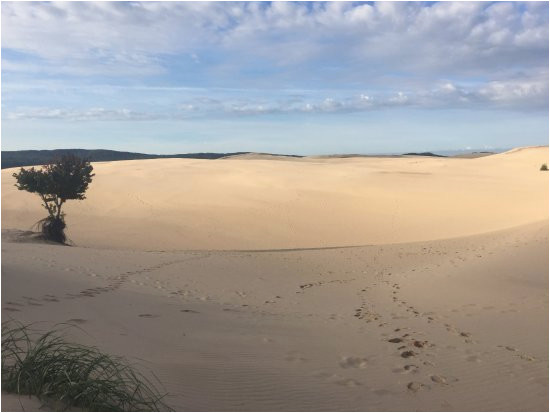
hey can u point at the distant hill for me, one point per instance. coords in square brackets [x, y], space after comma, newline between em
[11, 159]
[424, 154]
[261, 156]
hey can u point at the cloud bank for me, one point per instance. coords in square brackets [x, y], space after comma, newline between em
[178, 61]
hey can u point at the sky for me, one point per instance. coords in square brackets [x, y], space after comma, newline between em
[279, 77]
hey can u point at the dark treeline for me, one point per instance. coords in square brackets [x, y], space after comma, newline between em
[11, 159]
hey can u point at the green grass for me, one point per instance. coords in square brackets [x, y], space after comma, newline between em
[69, 376]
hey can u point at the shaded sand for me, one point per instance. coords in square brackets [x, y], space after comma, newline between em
[181, 204]
[15, 403]
[457, 322]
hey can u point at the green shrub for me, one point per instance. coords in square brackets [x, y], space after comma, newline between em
[70, 375]
[544, 167]
[65, 178]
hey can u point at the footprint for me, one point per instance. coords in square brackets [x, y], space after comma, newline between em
[409, 368]
[415, 386]
[349, 383]
[190, 311]
[10, 309]
[439, 379]
[148, 315]
[353, 362]
[473, 359]
[325, 375]
[408, 353]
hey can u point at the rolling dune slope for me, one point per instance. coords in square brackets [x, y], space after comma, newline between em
[179, 204]
[458, 324]
[344, 284]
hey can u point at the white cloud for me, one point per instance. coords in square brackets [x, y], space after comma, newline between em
[511, 94]
[78, 115]
[450, 36]
[516, 92]
[376, 55]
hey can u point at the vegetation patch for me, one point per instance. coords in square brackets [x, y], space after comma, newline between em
[58, 181]
[69, 376]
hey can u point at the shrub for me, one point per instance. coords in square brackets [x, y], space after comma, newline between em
[65, 178]
[68, 376]
[544, 167]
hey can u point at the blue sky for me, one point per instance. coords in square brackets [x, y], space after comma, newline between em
[285, 77]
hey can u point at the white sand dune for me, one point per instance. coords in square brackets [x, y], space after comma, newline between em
[447, 309]
[180, 204]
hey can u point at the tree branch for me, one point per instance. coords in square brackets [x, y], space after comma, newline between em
[46, 204]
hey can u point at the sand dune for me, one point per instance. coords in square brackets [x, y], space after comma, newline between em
[179, 204]
[457, 324]
[446, 310]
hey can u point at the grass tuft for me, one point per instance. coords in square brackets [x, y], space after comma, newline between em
[544, 167]
[72, 375]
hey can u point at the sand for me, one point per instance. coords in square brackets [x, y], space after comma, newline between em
[310, 284]
[182, 204]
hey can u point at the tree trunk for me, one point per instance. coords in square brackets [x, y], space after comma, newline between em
[53, 229]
